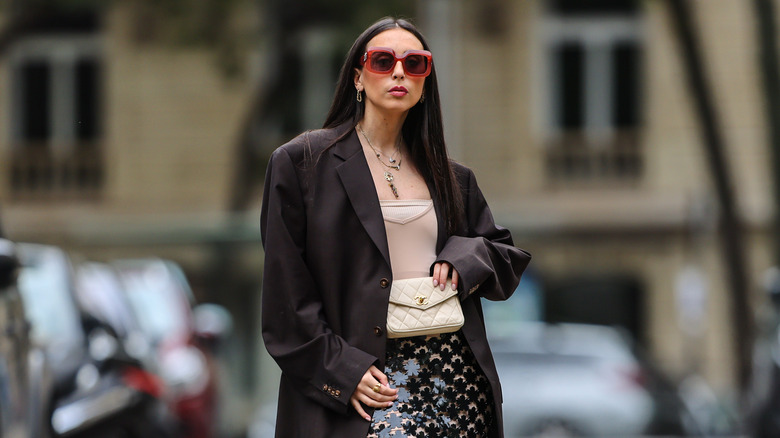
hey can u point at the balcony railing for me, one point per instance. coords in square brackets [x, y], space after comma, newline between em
[575, 160]
[38, 173]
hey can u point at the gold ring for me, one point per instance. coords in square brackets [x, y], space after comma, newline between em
[377, 387]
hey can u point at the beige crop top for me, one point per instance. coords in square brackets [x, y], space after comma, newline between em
[411, 236]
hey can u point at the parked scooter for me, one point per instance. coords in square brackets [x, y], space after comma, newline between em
[99, 389]
[115, 395]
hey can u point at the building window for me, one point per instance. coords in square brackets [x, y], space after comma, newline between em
[56, 125]
[592, 60]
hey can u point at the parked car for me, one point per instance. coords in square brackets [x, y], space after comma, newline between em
[46, 286]
[24, 376]
[88, 396]
[571, 380]
[567, 379]
[161, 296]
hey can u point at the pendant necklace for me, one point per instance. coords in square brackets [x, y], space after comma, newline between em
[393, 165]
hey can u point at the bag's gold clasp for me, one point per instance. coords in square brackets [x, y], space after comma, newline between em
[421, 300]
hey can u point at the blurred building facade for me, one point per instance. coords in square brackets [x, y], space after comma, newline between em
[118, 139]
[103, 121]
[576, 120]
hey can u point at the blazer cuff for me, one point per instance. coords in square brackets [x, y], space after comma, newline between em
[337, 387]
[472, 271]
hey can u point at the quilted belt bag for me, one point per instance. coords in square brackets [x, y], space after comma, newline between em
[418, 308]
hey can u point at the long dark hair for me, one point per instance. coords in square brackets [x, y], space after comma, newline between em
[422, 130]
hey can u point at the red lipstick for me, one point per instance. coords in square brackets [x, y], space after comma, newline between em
[398, 91]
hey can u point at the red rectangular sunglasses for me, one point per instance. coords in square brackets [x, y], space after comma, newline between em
[382, 60]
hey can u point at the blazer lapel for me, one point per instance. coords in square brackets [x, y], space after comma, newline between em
[356, 179]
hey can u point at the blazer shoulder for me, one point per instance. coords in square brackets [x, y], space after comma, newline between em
[308, 144]
[463, 173]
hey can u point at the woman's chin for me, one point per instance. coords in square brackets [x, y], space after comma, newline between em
[397, 106]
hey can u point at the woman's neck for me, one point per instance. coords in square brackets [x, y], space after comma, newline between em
[384, 133]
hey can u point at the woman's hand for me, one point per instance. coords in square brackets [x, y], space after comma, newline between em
[374, 391]
[441, 271]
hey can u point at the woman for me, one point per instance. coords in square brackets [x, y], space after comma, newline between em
[371, 198]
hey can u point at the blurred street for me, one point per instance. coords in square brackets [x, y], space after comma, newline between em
[632, 146]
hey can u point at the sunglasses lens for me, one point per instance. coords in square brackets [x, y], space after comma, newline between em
[416, 64]
[381, 61]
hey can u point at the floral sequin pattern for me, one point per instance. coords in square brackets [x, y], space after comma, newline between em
[442, 391]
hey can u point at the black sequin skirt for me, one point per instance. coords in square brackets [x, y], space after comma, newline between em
[442, 391]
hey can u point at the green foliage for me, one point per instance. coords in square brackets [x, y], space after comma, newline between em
[66, 5]
[191, 22]
[211, 23]
[342, 21]
[196, 23]
[345, 18]
[352, 16]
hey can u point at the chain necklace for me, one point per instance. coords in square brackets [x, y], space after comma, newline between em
[392, 160]
[388, 176]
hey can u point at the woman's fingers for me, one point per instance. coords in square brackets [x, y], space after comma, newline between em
[378, 375]
[375, 400]
[441, 271]
[440, 279]
[379, 389]
[359, 398]
[359, 408]
[381, 378]
[373, 391]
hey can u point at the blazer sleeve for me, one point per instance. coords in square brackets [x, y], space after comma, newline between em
[319, 363]
[486, 259]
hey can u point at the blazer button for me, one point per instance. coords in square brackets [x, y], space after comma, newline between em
[378, 331]
[383, 283]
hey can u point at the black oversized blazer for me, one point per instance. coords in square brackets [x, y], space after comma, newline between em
[327, 275]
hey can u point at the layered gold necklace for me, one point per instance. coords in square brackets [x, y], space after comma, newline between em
[393, 163]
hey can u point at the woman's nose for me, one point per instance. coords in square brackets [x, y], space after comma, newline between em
[398, 71]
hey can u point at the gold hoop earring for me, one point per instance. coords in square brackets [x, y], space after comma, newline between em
[359, 96]
[422, 98]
